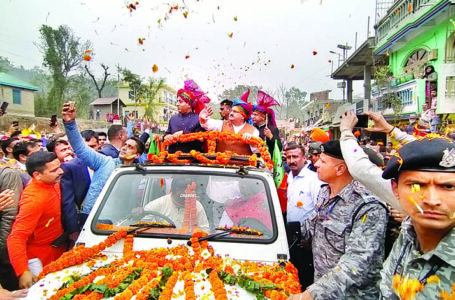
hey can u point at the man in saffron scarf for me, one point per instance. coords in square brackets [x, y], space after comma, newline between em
[190, 101]
[237, 123]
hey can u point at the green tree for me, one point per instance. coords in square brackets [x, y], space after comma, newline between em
[152, 107]
[5, 64]
[63, 53]
[383, 77]
[238, 91]
[135, 83]
[294, 100]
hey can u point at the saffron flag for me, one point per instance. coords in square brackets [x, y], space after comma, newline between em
[280, 177]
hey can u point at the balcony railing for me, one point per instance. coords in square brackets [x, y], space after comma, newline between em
[399, 14]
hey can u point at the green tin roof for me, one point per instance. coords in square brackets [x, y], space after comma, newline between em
[10, 80]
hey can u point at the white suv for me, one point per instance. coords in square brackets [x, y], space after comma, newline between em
[238, 207]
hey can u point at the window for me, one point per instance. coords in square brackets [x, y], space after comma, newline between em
[165, 96]
[17, 96]
[450, 87]
[214, 199]
[406, 96]
[131, 94]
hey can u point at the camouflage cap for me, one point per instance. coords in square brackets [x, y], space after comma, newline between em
[314, 148]
[427, 154]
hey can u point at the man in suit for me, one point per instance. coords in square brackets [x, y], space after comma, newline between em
[74, 186]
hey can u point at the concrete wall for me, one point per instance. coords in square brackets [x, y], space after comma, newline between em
[42, 124]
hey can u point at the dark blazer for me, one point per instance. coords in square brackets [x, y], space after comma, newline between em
[109, 150]
[270, 142]
[74, 185]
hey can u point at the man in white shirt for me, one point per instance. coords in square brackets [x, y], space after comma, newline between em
[303, 190]
[181, 206]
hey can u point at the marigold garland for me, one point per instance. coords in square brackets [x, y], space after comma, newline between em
[80, 254]
[217, 286]
[138, 273]
[211, 137]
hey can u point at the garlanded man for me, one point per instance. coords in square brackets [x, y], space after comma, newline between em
[241, 112]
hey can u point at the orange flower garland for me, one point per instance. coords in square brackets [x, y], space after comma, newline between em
[168, 289]
[217, 286]
[188, 284]
[128, 246]
[141, 269]
[144, 293]
[211, 137]
[80, 254]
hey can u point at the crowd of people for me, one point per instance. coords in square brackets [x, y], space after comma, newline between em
[343, 200]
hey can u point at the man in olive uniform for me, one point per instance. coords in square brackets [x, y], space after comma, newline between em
[346, 231]
[423, 180]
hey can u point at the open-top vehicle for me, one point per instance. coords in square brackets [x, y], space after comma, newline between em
[180, 230]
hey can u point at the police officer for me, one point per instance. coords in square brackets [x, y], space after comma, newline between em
[347, 233]
[423, 180]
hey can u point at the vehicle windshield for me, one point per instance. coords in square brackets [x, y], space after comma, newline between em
[188, 201]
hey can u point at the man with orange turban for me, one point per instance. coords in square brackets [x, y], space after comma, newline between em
[241, 112]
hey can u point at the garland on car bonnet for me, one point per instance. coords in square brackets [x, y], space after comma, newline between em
[153, 274]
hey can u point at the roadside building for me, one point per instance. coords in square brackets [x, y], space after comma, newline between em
[19, 94]
[419, 39]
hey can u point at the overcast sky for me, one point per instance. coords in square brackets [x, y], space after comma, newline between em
[268, 38]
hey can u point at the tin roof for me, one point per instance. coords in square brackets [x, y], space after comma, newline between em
[10, 80]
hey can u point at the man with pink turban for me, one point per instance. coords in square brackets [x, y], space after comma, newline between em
[190, 101]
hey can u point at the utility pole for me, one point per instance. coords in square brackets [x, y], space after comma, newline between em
[118, 90]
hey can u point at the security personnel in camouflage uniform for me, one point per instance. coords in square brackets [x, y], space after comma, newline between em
[423, 180]
[346, 231]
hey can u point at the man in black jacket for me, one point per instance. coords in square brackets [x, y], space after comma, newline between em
[267, 132]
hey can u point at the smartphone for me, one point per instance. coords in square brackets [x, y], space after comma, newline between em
[4, 106]
[15, 123]
[53, 120]
[362, 121]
